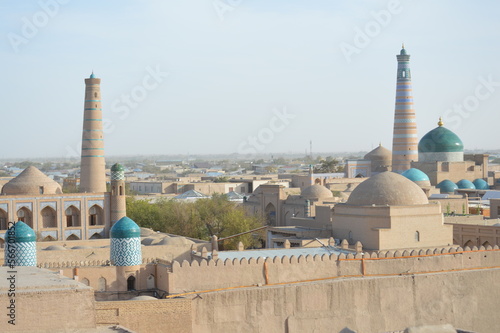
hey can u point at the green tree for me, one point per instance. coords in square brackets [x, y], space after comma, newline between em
[328, 166]
[199, 219]
[221, 179]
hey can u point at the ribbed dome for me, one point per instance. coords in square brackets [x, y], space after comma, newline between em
[381, 159]
[387, 188]
[481, 184]
[22, 233]
[125, 228]
[379, 153]
[447, 186]
[315, 192]
[466, 184]
[31, 182]
[440, 139]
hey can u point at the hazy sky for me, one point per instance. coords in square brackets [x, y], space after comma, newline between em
[225, 76]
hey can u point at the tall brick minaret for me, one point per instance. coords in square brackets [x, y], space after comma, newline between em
[404, 141]
[92, 168]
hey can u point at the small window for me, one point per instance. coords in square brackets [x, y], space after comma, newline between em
[95, 95]
[417, 236]
[40, 189]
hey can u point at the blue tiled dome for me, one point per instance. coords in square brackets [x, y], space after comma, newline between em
[466, 184]
[22, 233]
[415, 175]
[125, 228]
[447, 186]
[481, 184]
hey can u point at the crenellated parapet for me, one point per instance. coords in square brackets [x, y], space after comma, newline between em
[185, 277]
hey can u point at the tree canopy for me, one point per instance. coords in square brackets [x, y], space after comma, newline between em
[328, 166]
[198, 219]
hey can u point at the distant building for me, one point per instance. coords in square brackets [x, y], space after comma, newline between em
[376, 161]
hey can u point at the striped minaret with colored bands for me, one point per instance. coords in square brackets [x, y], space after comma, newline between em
[93, 166]
[404, 141]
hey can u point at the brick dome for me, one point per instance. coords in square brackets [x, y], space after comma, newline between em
[31, 182]
[387, 188]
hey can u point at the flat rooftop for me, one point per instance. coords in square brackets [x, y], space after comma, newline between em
[271, 253]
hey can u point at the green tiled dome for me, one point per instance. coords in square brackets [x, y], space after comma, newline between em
[440, 139]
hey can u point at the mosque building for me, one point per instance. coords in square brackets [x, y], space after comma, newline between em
[441, 157]
[389, 211]
[40, 203]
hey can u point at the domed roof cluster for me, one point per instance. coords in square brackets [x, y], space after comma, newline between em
[387, 188]
[31, 182]
[447, 186]
[316, 192]
[440, 139]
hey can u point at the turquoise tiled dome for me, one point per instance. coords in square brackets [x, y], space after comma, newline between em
[466, 184]
[415, 175]
[440, 139]
[22, 233]
[481, 184]
[22, 239]
[125, 249]
[125, 228]
[447, 186]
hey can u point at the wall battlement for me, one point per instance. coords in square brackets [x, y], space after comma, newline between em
[86, 263]
[218, 274]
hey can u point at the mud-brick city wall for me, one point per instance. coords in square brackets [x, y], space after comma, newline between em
[206, 275]
[465, 299]
[147, 316]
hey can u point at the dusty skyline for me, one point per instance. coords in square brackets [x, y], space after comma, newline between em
[220, 76]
